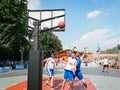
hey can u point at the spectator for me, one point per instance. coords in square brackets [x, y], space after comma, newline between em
[105, 64]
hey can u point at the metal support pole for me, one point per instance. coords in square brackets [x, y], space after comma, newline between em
[119, 55]
[98, 50]
[35, 63]
[21, 52]
[35, 58]
[118, 46]
[36, 35]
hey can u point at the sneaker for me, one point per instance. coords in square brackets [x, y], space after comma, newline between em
[85, 89]
[51, 86]
[85, 85]
[47, 84]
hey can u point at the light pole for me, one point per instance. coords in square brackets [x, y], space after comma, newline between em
[98, 50]
[118, 46]
[21, 51]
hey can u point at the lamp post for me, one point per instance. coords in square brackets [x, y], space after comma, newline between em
[98, 50]
[21, 51]
[118, 46]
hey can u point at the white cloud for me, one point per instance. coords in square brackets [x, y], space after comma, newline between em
[91, 39]
[93, 14]
[65, 47]
[34, 4]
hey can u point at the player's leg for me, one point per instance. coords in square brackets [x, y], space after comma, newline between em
[80, 77]
[63, 84]
[65, 79]
[71, 79]
[108, 68]
[103, 68]
[52, 78]
[48, 80]
[71, 85]
[84, 83]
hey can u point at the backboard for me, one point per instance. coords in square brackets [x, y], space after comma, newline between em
[48, 19]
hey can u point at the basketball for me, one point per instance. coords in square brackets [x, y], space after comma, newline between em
[61, 24]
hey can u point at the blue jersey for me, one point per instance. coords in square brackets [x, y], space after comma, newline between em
[78, 59]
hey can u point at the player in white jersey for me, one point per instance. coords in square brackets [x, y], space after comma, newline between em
[50, 65]
[69, 71]
[105, 64]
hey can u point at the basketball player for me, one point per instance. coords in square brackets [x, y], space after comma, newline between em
[78, 72]
[50, 65]
[69, 71]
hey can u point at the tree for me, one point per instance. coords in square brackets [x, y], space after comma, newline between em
[13, 28]
[13, 32]
[49, 43]
[110, 51]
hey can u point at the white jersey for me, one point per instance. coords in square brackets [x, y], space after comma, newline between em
[70, 64]
[51, 63]
[105, 61]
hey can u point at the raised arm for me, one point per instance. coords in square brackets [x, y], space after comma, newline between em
[73, 49]
[84, 52]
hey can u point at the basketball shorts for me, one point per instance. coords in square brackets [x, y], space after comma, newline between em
[79, 75]
[68, 75]
[51, 72]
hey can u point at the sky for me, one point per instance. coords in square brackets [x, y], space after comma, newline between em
[89, 23]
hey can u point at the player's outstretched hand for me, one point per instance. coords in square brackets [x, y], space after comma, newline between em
[85, 48]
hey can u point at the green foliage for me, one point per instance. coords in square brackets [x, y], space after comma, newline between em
[13, 28]
[110, 51]
[13, 32]
[49, 43]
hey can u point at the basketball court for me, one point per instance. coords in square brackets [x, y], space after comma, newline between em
[41, 21]
[57, 85]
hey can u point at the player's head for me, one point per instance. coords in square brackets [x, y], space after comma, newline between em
[77, 53]
[72, 54]
[53, 55]
[80, 54]
[106, 57]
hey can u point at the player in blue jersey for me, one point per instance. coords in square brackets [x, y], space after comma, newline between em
[78, 72]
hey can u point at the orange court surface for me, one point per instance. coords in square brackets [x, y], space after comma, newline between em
[57, 85]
